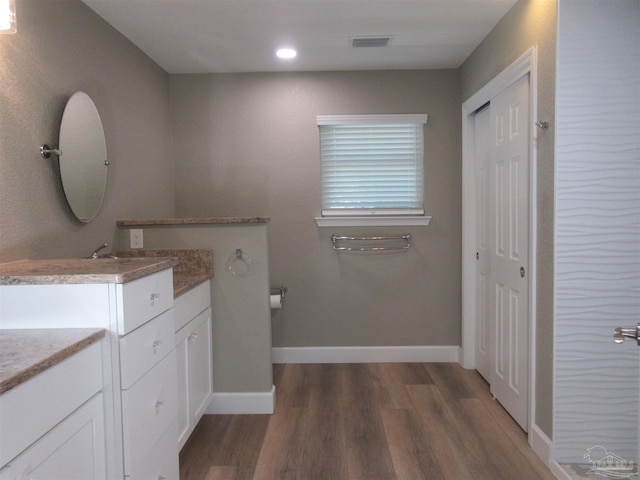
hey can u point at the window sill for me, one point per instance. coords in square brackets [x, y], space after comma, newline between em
[373, 221]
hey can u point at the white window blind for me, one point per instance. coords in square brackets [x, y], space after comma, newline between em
[372, 164]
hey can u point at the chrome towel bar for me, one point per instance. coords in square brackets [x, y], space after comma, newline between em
[371, 244]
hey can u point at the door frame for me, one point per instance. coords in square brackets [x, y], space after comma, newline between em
[525, 65]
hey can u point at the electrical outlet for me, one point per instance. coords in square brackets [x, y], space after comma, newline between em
[136, 238]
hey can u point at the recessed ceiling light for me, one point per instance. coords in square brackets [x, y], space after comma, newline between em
[286, 53]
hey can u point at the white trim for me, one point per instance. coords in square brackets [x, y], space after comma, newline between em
[420, 353]
[533, 231]
[502, 81]
[371, 119]
[226, 403]
[374, 221]
[543, 447]
[370, 212]
[559, 472]
[525, 65]
[541, 444]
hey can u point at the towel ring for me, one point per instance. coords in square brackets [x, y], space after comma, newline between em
[239, 263]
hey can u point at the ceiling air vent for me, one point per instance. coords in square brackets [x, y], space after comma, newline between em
[358, 42]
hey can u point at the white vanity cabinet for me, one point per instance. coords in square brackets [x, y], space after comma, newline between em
[148, 384]
[53, 424]
[140, 392]
[194, 358]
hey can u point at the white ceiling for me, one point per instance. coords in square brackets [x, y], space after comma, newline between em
[206, 36]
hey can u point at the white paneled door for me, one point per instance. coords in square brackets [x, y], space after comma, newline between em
[482, 134]
[509, 249]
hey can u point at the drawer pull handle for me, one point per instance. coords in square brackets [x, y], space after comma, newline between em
[159, 405]
[154, 297]
[157, 344]
[191, 338]
[162, 477]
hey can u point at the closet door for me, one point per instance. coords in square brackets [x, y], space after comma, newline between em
[482, 131]
[509, 240]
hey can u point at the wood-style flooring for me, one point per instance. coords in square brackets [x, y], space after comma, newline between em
[367, 422]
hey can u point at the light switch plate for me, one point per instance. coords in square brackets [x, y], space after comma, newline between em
[136, 238]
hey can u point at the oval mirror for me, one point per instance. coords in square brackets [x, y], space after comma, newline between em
[83, 162]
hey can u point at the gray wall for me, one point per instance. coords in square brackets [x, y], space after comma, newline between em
[62, 46]
[528, 23]
[247, 144]
[239, 304]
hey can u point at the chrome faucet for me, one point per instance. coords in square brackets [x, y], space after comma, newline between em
[94, 255]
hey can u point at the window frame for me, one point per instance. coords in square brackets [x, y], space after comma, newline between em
[373, 217]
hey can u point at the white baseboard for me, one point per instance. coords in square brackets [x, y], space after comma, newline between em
[230, 403]
[543, 447]
[437, 353]
[559, 472]
[541, 444]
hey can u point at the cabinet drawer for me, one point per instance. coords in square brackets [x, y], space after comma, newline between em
[141, 349]
[162, 460]
[191, 303]
[30, 410]
[143, 299]
[148, 408]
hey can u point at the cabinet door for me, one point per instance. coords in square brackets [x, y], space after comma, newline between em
[195, 373]
[73, 450]
[30, 410]
[200, 366]
[183, 387]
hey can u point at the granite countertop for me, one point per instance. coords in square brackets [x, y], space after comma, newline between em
[194, 265]
[80, 270]
[190, 268]
[192, 221]
[26, 352]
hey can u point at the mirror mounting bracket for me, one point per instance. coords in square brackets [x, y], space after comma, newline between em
[47, 151]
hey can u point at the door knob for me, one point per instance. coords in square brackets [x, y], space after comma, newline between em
[619, 334]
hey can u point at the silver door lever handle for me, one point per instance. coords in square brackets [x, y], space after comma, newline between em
[619, 334]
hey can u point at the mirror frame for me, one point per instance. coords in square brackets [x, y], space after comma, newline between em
[83, 157]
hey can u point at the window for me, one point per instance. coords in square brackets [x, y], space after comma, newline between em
[372, 165]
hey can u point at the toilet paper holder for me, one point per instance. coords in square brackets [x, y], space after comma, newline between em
[282, 291]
